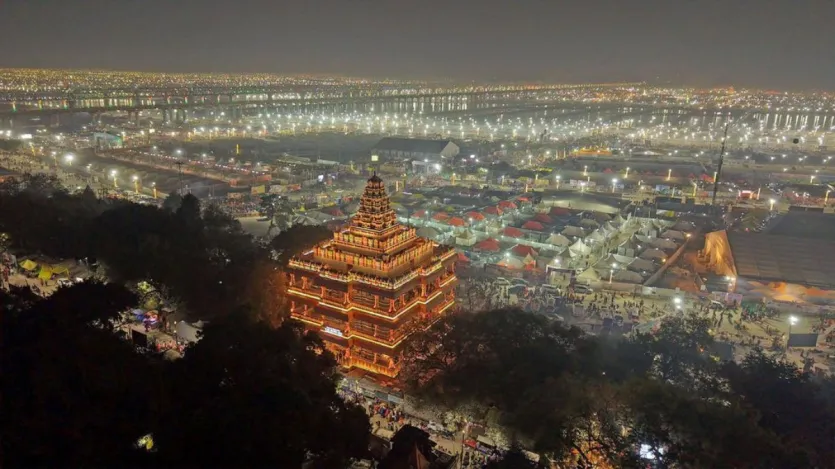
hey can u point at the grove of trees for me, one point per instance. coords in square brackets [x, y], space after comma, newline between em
[597, 402]
[257, 391]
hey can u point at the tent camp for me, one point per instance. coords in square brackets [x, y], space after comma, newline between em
[29, 265]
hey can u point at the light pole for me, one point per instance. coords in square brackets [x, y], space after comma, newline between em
[669, 174]
[626, 176]
[585, 170]
[771, 204]
[154, 186]
[792, 322]
[612, 272]
[695, 186]
[68, 158]
[614, 182]
[557, 178]
[826, 197]
[113, 175]
[135, 179]
[677, 302]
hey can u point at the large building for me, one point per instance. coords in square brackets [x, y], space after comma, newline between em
[798, 250]
[367, 289]
[431, 151]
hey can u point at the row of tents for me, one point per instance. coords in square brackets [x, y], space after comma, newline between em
[44, 271]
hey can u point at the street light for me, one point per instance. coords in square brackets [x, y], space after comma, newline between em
[154, 186]
[612, 272]
[113, 175]
[811, 178]
[826, 197]
[677, 302]
[792, 321]
[771, 204]
[626, 176]
[68, 158]
[669, 174]
[585, 170]
[695, 186]
[614, 182]
[135, 179]
[557, 178]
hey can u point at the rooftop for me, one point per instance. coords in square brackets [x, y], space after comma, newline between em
[789, 259]
[412, 145]
[808, 225]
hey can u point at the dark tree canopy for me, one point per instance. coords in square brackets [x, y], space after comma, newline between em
[248, 395]
[587, 400]
[296, 239]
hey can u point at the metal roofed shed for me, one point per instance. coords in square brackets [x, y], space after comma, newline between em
[415, 148]
[769, 257]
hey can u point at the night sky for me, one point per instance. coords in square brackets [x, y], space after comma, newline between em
[784, 44]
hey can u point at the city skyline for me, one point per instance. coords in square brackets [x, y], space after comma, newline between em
[740, 44]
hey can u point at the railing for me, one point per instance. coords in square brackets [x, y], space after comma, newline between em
[363, 278]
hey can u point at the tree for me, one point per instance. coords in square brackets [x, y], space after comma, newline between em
[247, 395]
[172, 202]
[81, 395]
[296, 239]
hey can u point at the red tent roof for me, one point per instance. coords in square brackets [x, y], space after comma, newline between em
[507, 204]
[522, 250]
[543, 218]
[513, 232]
[419, 213]
[559, 211]
[493, 210]
[440, 216]
[457, 222]
[475, 216]
[533, 225]
[488, 244]
[463, 257]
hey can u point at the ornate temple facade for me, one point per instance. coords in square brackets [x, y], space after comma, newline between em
[371, 286]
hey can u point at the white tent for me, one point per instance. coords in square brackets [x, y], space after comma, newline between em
[661, 243]
[673, 234]
[589, 223]
[653, 254]
[573, 231]
[595, 236]
[640, 265]
[589, 274]
[627, 276]
[557, 239]
[579, 248]
[427, 232]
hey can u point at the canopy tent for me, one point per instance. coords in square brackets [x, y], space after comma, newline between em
[427, 232]
[558, 240]
[455, 221]
[488, 244]
[59, 270]
[493, 210]
[589, 223]
[513, 232]
[28, 264]
[589, 274]
[506, 204]
[627, 276]
[579, 248]
[533, 226]
[661, 243]
[653, 254]
[673, 234]
[45, 273]
[595, 237]
[574, 231]
[640, 264]
[523, 250]
[543, 218]
[475, 216]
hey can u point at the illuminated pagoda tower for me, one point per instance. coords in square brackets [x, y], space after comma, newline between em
[376, 282]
